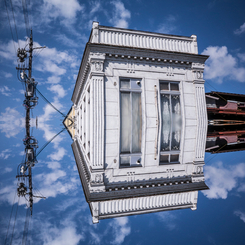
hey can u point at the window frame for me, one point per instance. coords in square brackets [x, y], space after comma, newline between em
[130, 90]
[168, 153]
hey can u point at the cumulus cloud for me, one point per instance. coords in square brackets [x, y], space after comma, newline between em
[53, 9]
[240, 214]
[167, 26]
[5, 154]
[242, 56]
[121, 229]
[58, 155]
[168, 219]
[7, 170]
[222, 65]
[240, 30]
[58, 89]
[222, 179]
[11, 122]
[7, 74]
[121, 15]
[5, 90]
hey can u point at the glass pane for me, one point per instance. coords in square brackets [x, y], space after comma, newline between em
[174, 86]
[126, 123]
[136, 122]
[164, 158]
[125, 83]
[164, 86]
[176, 122]
[174, 158]
[166, 123]
[125, 160]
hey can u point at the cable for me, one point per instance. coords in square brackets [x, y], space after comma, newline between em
[26, 227]
[49, 142]
[215, 153]
[25, 13]
[216, 90]
[10, 218]
[14, 222]
[14, 22]
[10, 25]
[50, 103]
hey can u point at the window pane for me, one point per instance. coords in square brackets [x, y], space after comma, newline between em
[176, 122]
[126, 123]
[136, 122]
[125, 160]
[174, 86]
[125, 83]
[164, 158]
[166, 122]
[174, 158]
[164, 86]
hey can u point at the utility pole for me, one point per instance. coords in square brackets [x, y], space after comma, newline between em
[28, 130]
[30, 142]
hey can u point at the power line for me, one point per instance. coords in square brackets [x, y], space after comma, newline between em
[26, 227]
[50, 103]
[10, 24]
[25, 13]
[14, 221]
[43, 147]
[10, 219]
[14, 22]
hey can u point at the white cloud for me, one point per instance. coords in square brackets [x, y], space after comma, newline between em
[7, 170]
[5, 90]
[222, 179]
[68, 41]
[168, 218]
[242, 56]
[121, 15]
[67, 235]
[240, 214]
[168, 26]
[5, 154]
[240, 30]
[57, 89]
[7, 74]
[53, 165]
[121, 229]
[222, 65]
[53, 79]
[58, 155]
[65, 9]
[11, 122]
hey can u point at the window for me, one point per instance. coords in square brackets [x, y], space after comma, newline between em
[171, 122]
[131, 122]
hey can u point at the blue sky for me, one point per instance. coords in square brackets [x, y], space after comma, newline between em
[64, 28]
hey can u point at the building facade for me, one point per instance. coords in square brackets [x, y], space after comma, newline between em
[139, 122]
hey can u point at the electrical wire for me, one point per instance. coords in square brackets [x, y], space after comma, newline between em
[26, 227]
[10, 25]
[14, 22]
[10, 218]
[50, 103]
[25, 13]
[43, 147]
[15, 221]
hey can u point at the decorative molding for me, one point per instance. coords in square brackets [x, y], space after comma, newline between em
[139, 39]
[201, 122]
[146, 203]
[97, 119]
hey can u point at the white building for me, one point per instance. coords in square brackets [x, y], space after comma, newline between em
[139, 122]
